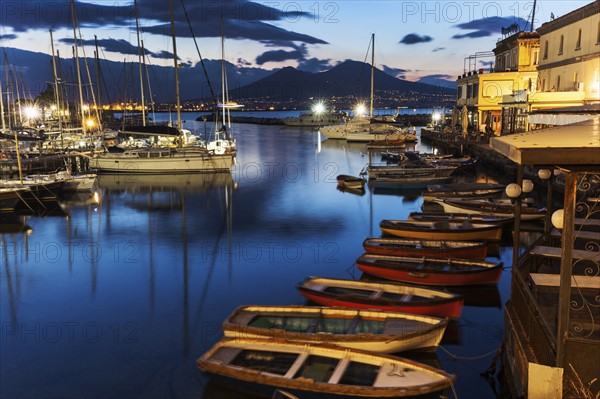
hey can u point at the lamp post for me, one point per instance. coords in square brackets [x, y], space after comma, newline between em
[545, 175]
[513, 191]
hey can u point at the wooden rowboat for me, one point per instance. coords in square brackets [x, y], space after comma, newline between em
[263, 366]
[490, 206]
[430, 271]
[347, 181]
[395, 297]
[442, 230]
[463, 190]
[429, 248]
[388, 332]
[487, 218]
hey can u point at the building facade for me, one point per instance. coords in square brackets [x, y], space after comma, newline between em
[516, 59]
[569, 68]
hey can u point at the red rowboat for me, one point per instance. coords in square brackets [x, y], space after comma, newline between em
[395, 297]
[430, 271]
[430, 248]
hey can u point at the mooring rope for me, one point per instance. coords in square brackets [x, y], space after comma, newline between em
[469, 357]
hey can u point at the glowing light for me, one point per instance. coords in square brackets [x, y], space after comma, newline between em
[513, 190]
[360, 110]
[90, 123]
[31, 113]
[53, 107]
[96, 197]
[436, 117]
[319, 108]
[544, 174]
[558, 218]
[527, 186]
[86, 107]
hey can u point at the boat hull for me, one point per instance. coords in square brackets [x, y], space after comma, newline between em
[443, 308]
[434, 249]
[487, 233]
[388, 332]
[477, 208]
[198, 163]
[410, 272]
[264, 366]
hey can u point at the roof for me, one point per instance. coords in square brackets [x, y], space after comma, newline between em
[568, 145]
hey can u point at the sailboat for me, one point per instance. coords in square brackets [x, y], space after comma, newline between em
[223, 141]
[361, 128]
[183, 159]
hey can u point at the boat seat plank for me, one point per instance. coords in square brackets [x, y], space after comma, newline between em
[376, 294]
[225, 355]
[339, 371]
[296, 365]
[553, 280]
[556, 252]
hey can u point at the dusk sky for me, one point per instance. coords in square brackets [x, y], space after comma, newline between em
[413, 38]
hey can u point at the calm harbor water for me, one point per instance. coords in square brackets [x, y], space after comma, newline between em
[118, 299]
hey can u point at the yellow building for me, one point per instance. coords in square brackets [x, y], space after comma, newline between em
[516, 59]
[570, 63]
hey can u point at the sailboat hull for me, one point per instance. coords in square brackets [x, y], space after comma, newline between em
[171, 163]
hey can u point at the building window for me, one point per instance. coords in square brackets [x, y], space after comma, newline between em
[575, 82]
[598, 34]
[578, 43]
[536, 54]
[546, 49]
[558, 83]
[543, 84]
[561, 45]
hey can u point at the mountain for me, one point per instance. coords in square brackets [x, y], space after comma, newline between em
[439, 80]
[348, 81]
[344, 84]
[34, 71]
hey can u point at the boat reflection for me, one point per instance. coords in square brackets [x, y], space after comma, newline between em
[12, 223]
[137, 183]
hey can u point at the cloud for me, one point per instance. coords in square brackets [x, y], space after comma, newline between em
[473, 35]
[484, 27]
[240, 19]
[315, 65]
[395, 72]
[164, 54]
[118, 46]
[435, 50]
[278, 56]
[8, 36]
[413, 38]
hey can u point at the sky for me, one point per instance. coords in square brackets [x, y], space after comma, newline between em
[413, 39]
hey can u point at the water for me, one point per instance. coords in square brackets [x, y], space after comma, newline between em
[118, 299]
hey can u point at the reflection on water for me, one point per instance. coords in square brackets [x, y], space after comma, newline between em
[119, 293]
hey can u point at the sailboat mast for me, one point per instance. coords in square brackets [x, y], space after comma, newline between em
[137, 31]
[178, 101]
[223, 77]
[372, 73]
[73, 16]
[532, 16]
[2, 106]
[56, 94]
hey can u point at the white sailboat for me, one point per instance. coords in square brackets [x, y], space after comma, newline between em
[360, 128]
[183, 159]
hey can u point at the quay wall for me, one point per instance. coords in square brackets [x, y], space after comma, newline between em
[477, 146]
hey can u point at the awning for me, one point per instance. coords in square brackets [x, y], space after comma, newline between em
[577, 144]
[558, 119]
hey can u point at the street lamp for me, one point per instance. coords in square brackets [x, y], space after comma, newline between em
[513, 191]
[558, 219]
